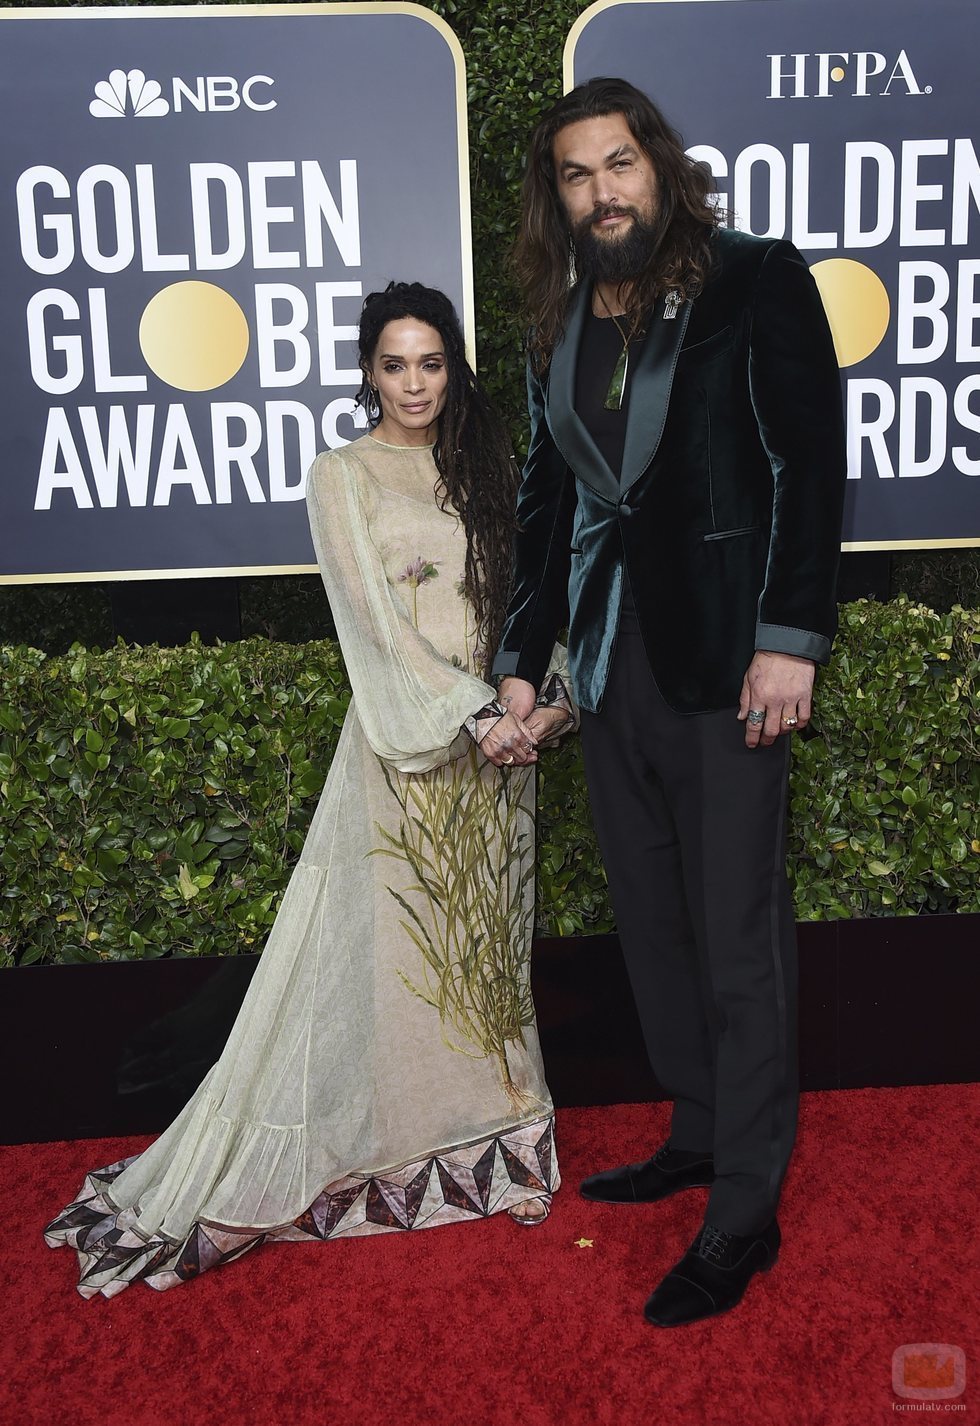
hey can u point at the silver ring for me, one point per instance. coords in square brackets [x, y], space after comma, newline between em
[791, 722]
[508, 761]
[756, 716]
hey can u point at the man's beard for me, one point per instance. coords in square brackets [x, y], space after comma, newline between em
[618, 259]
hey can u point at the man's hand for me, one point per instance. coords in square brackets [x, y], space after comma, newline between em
[543, 722]
[517, 696]
[509, 743]
[781, 687]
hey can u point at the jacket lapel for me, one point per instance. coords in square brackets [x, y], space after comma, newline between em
[649, 397]
[580, 452]
[650, 393]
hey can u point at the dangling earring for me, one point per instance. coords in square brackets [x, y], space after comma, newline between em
[372, 406]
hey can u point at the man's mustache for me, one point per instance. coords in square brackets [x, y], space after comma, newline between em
[612, 210]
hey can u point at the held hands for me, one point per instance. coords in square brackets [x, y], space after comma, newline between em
[514, 739]
[510, 742]
[780, 687]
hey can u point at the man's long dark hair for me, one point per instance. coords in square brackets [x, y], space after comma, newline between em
[686, 220]
[477, 473]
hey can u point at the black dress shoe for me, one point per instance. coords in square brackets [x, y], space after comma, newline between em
[667, 1172]
[712, 1275]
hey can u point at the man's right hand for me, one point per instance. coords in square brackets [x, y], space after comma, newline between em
[517, 696]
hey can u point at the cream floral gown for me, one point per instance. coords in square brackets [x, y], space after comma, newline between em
[384, 1072]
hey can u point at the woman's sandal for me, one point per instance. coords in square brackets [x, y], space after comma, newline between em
[531, 1220]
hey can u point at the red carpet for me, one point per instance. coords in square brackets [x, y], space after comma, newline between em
[494, 1325]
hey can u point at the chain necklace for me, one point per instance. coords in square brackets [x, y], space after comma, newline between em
[617, 382]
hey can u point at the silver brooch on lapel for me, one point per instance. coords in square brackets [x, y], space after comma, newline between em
[672, 304]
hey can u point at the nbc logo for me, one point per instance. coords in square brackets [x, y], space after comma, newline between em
[144, 95]
[132, 93]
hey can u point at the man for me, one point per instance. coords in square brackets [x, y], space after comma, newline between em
[682, 502]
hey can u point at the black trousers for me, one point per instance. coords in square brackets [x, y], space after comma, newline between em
[691, 825]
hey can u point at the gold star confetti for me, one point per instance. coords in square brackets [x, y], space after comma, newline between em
[584, 1242]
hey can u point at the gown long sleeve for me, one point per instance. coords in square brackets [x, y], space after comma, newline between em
[384, 1072]
[411, 701]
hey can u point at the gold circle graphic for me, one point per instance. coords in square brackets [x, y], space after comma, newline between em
[837, 74]
[194, 336]
[856, 304]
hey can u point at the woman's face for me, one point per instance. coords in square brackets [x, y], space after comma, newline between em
[409, 373]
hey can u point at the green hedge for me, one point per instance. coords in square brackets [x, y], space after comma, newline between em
[152, 801]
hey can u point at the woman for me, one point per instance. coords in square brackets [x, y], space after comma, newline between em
[384, 1071]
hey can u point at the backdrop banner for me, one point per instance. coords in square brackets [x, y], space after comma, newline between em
[851, 130]
[193, 202]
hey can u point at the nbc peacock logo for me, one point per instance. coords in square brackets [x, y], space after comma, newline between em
[125, 93]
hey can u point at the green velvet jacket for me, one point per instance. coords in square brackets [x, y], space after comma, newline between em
[727, 516]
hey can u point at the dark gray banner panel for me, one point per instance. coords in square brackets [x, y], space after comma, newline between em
[851, 129]
[193, 203]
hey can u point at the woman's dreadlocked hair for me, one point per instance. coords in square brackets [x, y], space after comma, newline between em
[477, 472]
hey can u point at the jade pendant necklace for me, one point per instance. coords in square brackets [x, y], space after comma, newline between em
[617, 382]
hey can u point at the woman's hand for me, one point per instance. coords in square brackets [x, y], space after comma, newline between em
[509, 742]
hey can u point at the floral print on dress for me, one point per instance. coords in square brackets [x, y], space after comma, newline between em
[415, 574]
[466, 836]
